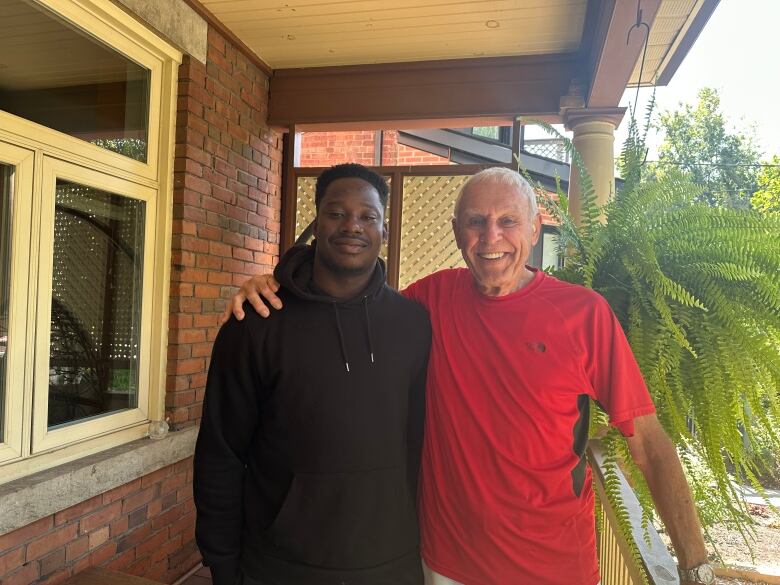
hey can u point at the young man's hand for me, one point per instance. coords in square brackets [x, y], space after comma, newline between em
[262, 284]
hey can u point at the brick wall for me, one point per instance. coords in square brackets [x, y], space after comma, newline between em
[226, 226]
[145, 528]
[411, 156]
[227, 206]
[322, 149]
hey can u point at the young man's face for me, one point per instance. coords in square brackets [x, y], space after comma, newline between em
[350, 227]
[496, 233]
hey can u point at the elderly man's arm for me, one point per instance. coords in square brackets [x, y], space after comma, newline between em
[655, 455]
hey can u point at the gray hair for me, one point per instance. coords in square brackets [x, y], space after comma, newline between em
[502, 176]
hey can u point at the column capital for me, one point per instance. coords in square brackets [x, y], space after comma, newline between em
[573, 117]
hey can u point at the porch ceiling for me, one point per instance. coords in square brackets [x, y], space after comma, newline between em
[676, 26]
[313, 33]
[424, 63]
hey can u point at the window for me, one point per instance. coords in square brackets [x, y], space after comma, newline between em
[57, 75]
[97, 276]
[501, 134]
[6, 175]
[545, 253]
[84, 206]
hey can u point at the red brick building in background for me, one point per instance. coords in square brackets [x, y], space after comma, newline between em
[322, 149]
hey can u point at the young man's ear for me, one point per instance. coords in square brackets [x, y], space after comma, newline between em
[385, 232]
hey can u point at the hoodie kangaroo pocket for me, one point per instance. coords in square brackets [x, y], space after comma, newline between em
[345, 520]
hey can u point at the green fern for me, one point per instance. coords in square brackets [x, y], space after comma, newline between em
[697, 291]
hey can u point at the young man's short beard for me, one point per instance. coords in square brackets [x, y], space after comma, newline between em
[340, 270]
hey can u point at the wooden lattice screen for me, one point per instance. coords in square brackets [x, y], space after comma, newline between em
[427, 243]
[304, 204]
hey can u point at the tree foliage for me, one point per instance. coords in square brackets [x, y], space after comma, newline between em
[696, 288]
[698, 142]
[767, 198]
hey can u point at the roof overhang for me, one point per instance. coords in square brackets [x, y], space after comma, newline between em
[406, 64]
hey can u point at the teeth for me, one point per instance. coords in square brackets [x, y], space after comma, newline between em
[492, 255]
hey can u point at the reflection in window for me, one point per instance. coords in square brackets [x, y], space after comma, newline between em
[6, 185]
[55, 75]
[96, 303]
[551, 259]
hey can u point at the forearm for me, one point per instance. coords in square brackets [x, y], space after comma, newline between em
[663, 472]
[674, 503]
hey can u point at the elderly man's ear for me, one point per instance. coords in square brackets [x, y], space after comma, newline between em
[454, 221]
[536, 228]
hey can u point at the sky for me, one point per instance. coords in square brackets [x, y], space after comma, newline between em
[738, 53]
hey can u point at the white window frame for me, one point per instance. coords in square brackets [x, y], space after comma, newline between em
[47, 155]
[12, 440]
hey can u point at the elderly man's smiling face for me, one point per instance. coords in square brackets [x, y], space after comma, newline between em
[496, 232]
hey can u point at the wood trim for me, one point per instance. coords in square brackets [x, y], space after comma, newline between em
[379, 140]
[422, 124]
[410, 170]
[701, 18]
[212, 20]
[613, 59]
[289, 189]
[427, 93]
[593, 32]
[517, 131]
[396, 215]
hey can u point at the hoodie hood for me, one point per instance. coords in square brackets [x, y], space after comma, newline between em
[295, 270]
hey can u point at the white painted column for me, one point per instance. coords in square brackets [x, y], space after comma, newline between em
[594, 139]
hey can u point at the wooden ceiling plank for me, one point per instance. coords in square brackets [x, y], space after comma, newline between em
[329, 16]
[675, 57]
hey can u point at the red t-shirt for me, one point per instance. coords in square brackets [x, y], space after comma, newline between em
[505, 495]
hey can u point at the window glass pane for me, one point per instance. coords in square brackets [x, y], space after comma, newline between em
[550, 256]
[6, 176]
[55, 75]
[96, 303]
[487, 131]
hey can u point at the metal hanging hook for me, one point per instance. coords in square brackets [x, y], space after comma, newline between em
[640, 22]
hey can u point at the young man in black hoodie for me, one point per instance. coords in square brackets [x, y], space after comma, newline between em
[307, 459]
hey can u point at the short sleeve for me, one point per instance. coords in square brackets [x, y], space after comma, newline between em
[612, 370]
[421, 290]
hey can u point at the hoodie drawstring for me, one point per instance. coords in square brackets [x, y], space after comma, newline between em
[341, 332]
[341, 336]
[368, 328]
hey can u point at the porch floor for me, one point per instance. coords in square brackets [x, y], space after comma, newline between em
[202, 577]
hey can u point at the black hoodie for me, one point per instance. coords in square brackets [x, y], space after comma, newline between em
[309, 448]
